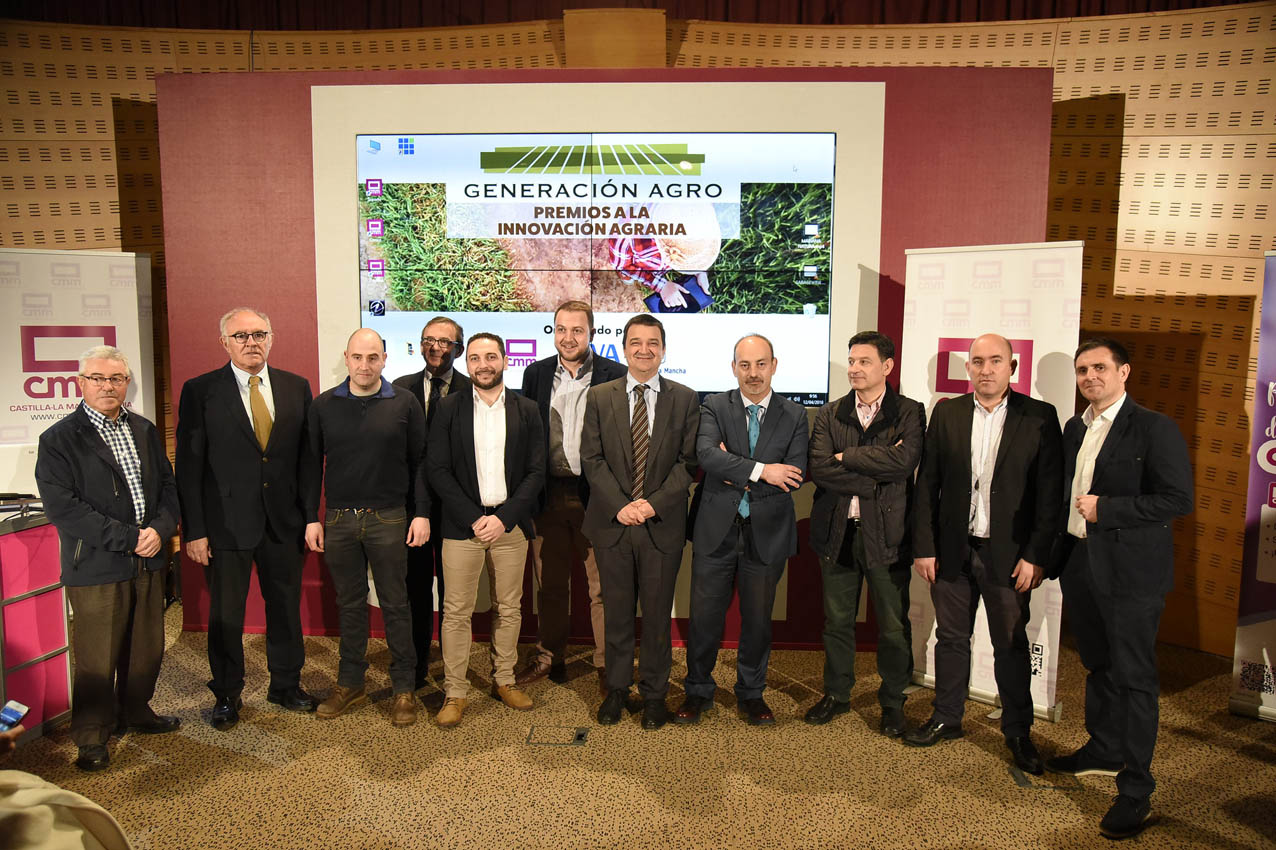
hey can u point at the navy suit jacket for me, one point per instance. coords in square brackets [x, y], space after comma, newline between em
[1143, 479]
[782, 438]
[228, 485]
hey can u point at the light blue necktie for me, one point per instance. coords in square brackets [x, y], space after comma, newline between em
[753, 444]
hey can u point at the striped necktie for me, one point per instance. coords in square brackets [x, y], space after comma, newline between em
[638, 427]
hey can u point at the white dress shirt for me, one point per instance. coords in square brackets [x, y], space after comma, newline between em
[653, 389]
[1096, 432]
[985, 439]
[241, 379]
[489, 449]
[567, 414]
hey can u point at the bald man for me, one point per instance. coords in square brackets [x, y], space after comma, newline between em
[372, 437]
[988, 501]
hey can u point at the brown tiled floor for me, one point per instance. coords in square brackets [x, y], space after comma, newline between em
[283, 780]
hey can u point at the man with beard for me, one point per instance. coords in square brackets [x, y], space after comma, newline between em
[638, 452]
[487, 463]
[440, 344]
[558, 385]
[373, 439]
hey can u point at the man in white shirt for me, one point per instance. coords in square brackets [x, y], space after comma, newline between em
[487, 464]
[1127, 476]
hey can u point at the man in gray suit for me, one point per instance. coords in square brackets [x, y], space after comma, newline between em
[637, 451]
[752, 445]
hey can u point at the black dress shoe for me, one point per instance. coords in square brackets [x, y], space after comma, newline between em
[1082, 763]
[293, 699]
[94, 757]
[893, 724]
[558, 673]
[757, 713]
[691, 709]
[932, 733]
[654, 714]
[609, 712]
[1126, 818]
[1025, 754]
[825, 710]
[160, 724]
[226, 713]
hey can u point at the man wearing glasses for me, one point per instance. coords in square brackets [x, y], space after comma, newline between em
[108, 489]
[244, 467]
[440, 344]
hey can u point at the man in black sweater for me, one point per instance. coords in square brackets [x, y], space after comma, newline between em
[376, 503]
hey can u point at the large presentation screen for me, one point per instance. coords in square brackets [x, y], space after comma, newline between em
[719, 234]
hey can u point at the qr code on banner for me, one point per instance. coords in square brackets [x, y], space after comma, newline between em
[1257, 677]
[1038, 659]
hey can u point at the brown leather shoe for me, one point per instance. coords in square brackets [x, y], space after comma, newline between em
[512, 696]
[403, 711]
[450, 713]
[535, 670]
[341, 700]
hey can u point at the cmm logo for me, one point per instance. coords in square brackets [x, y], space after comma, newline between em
[521, 352]
[49, 378]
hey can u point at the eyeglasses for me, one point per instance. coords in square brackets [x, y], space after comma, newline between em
[243, 337]
[103, 380]
[431, 342]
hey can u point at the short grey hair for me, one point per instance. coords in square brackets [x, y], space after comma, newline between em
[230, 314]
[105, 352]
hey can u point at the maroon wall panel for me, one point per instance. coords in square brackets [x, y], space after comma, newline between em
[966, 162]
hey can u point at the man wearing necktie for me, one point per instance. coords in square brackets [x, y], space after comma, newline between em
[864, 449]
[244, 466]
[637, 451]
[1127, 476]
[440, 344]
[752, 445]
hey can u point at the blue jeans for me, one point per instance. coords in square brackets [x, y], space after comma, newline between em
[354, 540]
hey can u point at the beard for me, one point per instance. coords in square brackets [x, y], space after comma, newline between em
[488, 381]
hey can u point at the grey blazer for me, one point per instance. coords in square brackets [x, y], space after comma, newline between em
[782, 438]
[607, 456]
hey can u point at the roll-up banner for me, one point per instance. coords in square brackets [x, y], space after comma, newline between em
[1253, 685]
[55, 305]
[1030, 294]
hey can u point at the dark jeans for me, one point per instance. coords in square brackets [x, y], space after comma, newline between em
[425, 565]
[956, 601]
[279, 577]
[635, 569]
[118, 643]
[1116, 638]
[844, 578]
[354, 540]
[714, 576]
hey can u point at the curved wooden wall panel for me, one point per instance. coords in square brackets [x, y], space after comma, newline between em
[1163, 161]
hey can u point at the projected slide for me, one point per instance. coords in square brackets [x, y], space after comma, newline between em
[719, 234]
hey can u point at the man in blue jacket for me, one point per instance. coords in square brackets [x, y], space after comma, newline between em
[108, 488]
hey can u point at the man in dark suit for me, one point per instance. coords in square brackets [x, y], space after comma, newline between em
[487, 463]
[1127, 475]
[441, 342]
[243, 464]
[558, 385]
[637, 450]
[864, 450]
[108, 489]
[988, 503]
[752, 445]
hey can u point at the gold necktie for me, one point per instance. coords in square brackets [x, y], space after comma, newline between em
[261, 413]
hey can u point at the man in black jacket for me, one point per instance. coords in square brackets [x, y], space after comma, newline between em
[487, 463]
[989, 497]
[373, 439]
[441, 341]
[558, 385]
[863, 452]
[244, 464]
[1127, 475]
[108, 488]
